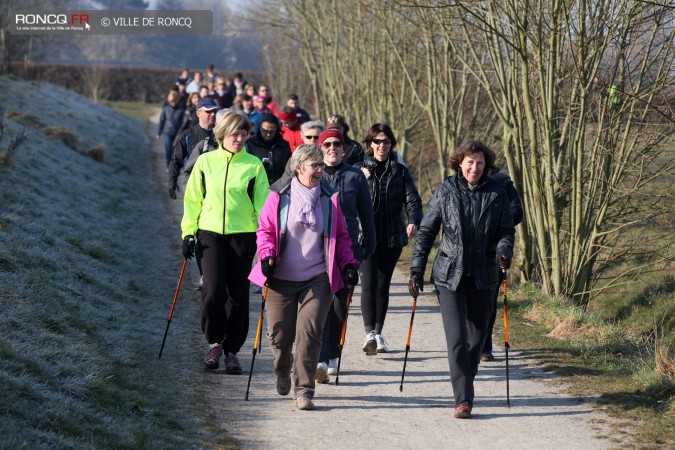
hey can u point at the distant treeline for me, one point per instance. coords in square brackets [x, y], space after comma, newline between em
[112, 83]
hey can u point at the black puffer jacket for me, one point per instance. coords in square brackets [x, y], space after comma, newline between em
[477, 227]
[353, 152]
[274, 154]
[394, 192]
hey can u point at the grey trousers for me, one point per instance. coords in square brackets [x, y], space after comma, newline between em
[297, 310]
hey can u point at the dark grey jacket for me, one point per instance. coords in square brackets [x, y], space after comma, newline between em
[170, 120]
[399, 192]
[490, 233]
[356, 207]
[511, 193]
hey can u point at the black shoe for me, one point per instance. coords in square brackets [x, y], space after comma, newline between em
[487, 357]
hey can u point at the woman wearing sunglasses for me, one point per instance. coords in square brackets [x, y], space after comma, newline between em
[355, 201]
[303, 250]
[392, 190]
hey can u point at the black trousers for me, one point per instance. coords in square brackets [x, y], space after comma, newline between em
[487, 348]
[226, 262]
[466, 314]
[376, 273]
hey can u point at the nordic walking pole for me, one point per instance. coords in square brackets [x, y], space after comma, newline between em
[173, 305]
[506, 339]
[350, 290]
[257, 338]
[407, 345]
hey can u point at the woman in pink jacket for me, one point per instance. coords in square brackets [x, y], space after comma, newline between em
[303, 251]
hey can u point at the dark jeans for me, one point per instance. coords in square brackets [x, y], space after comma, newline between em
[466, 313]
[226, 263]
[376, 273]
[487, 348]
[332, 329]
[167, 140]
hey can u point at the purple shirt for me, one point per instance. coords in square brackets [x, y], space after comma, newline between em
[303, 255]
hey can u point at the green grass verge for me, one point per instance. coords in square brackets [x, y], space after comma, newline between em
[601, 362]
[138, 110]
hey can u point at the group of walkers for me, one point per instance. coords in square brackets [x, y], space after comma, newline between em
[307, 217]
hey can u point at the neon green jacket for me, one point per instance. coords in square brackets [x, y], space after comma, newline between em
[225, 193]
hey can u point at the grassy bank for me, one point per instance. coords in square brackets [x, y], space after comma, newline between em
[628, 373]
[86, 278]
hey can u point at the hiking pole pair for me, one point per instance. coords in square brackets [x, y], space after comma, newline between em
[258, 342]
[407, 345]
[506, 339]
[173, 305]
[350, 290]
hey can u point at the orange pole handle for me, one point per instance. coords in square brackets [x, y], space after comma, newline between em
[175, 296]
[260, 319]
[344, 322]
[414, 306]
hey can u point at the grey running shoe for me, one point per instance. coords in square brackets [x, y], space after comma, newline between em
[283, 385]
[212, 360]
[382, 346]
[370, 344]
[322, 373]
[304, 404]
[232, 365]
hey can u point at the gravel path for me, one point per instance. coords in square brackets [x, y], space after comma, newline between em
[367, 410]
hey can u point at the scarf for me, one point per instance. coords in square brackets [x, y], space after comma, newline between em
[308, 203]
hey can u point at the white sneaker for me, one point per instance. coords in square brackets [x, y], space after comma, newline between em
[332, 366]
[322, 373]
[382, 346]
[370, 344]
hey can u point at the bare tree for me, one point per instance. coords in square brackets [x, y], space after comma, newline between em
[574, 84]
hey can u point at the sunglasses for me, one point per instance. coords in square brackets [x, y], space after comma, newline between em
[262, 130]
[336, 144]
[381, 141]
[312, 137]
[317, 165]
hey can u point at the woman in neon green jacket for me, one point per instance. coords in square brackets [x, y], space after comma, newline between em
[223, 199]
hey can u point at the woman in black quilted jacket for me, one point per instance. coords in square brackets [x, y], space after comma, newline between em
[477, 241]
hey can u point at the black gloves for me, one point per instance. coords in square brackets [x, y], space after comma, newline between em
[188, 247]
[172, 191]
[267, 267]
[416, 283]
[504, 262]
[351, 275]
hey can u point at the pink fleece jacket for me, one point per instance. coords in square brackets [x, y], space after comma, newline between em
[338, 245]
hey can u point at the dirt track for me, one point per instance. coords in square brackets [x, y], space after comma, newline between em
[367, 410]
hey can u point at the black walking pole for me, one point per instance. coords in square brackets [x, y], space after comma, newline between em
[173, 305]
[350, 290]
[407, 345]
[257, 338]
[506, 340]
